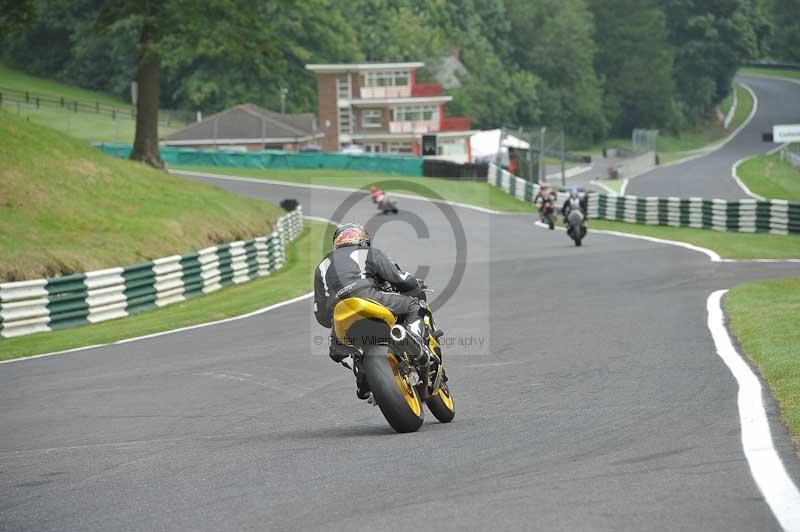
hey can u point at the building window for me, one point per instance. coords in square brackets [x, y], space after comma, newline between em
[400, 147]
[373, 147]
[384, 79]
[343, 86]
[372, 118]
[415, 113]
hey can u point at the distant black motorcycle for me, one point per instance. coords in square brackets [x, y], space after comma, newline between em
[576, 226]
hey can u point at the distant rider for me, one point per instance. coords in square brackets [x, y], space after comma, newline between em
[378, 195]
[354, 269]
[578, 201]
[545, 195]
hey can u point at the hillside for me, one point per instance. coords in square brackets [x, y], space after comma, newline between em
[86, 124]
[65, 207]
[17, 80]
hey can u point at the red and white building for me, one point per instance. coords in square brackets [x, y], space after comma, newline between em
[382, 108]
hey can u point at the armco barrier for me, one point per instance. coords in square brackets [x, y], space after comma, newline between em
[385, 164]
[41, 305]
[744, 216]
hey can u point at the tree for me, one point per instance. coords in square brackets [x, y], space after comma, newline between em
[263, 58]
[396, 30]
[554, 40]
[16, 15]
[177, 32]
[635, 61]
[785, 42]
[712, 39]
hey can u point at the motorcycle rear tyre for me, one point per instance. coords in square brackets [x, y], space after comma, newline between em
[399, 403]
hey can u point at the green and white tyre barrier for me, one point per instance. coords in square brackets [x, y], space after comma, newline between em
[745, 216]
[42, 305]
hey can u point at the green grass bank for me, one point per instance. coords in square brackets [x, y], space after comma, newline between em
[65, 207]
[764, 316]
[771, 72]
[768, 176]
[84, 125]
[727, 245]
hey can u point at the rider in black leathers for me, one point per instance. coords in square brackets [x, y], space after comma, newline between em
[576, 201]
[354, 269]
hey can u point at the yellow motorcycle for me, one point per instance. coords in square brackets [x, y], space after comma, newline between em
[402, 369]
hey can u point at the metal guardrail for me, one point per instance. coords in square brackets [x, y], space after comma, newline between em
[42, 305]
[744, 216]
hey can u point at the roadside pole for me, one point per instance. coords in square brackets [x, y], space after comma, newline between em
[563, 171]
[542, 169]
[530, 158]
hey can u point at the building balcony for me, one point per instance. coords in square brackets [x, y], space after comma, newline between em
[401, 91]
[419, 126]
[424, 90]
[456, 123]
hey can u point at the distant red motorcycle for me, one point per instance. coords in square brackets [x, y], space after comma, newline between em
[385, 204]
[548, 214]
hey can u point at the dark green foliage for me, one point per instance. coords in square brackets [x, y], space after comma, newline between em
[635, 61]
[785, 41]
[591, 66]
[712, 39]
[16, 15]
[554, 39]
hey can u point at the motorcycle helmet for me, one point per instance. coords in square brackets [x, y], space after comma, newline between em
[573, 193]
[351, 234]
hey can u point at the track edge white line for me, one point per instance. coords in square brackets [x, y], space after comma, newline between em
[766, 467]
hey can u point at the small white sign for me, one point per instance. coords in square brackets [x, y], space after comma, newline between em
[786, 133]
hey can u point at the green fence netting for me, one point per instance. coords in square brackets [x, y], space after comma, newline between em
[384, 164]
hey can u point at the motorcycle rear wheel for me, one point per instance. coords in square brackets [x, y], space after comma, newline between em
[442, 405]
[399, 402]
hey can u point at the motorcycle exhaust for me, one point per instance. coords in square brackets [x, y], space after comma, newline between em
[398, 333]
[411, 343]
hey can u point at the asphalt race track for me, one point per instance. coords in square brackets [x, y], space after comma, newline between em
[597, 402]
[710, 176]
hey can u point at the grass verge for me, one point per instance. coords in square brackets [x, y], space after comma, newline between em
[613, 184]
[293, 280]
[20, 81]
[480, 194]
[727, 245]
[66, 207]
[763, 317]
[771, 72]
[708, 133]
[672, 147]
[770, 177]
[88, 126]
